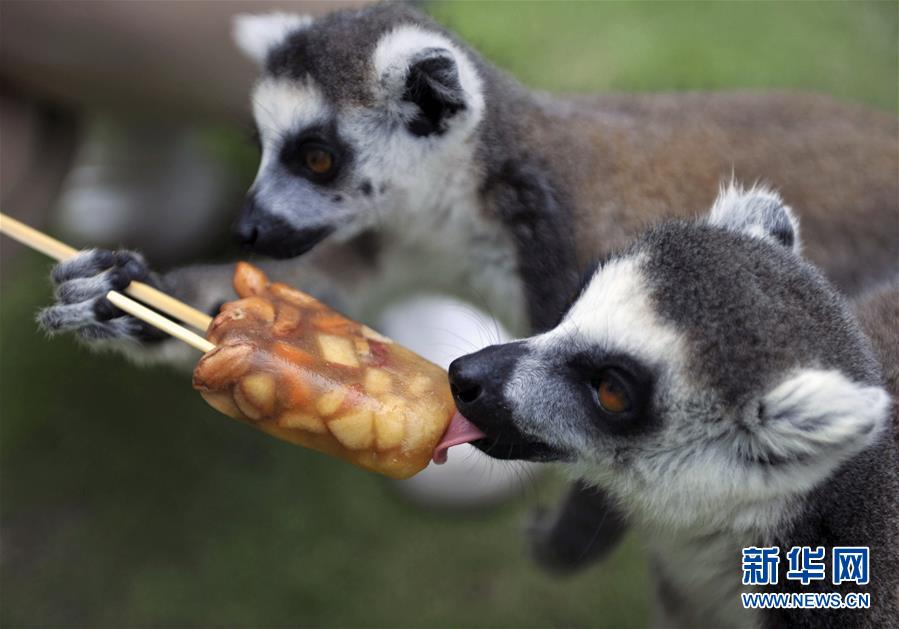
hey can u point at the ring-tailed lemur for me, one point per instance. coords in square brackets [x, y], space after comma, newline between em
[406, 162]
[716, 386]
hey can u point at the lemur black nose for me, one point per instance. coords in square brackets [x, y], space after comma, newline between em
[246, 229]
[477, 381]
[263, 231]
[463, 382]
[246, 234]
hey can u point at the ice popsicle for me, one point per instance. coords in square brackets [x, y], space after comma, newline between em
[291, 366]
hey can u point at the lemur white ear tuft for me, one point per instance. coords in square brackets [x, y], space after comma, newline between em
[757, 212]
[426, 80]
[256, 35]
[817, 417]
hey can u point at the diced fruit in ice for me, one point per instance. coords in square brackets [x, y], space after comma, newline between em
[303, 421]
[377, 381]
[420, 430]
[379, 354]
[392, 402]
[226, 322]
[354, 431]
[336, 349]
[297, 298]
[223, 365]
[390, 427]
[294, 389]
[332, 323]
[419, 385]
[231, 312]
[293, 354]
[286, 321]
[248, 280]
[259, 390]
[246, 408]
[331, 400]
[222, 402]
[257, 307]
[368, 333]
[362, 346]
[358, 398]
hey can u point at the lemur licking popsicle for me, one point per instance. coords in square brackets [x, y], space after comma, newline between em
[718, 388]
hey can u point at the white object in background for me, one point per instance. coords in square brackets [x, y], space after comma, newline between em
[151, 185]
[441, 329]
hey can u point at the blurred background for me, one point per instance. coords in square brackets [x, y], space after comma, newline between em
[124, 499]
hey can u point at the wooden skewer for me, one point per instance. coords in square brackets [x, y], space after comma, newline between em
[60, 251]
[147, 294]
[158, 321]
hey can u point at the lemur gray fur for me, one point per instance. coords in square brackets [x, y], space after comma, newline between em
[447, 175]
[715, 386]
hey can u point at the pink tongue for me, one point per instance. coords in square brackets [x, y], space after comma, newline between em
[459, 431]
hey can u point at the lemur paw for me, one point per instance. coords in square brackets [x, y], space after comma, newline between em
[561, 545]
[81, 305]
[545, 549]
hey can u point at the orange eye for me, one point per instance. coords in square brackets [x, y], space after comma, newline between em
[612, 395]
[318, 161]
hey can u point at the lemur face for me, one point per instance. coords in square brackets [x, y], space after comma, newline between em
[701, 374]
[361, 115]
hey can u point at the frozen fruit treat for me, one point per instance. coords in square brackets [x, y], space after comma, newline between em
[289, 365]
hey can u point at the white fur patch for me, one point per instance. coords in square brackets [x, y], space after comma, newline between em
[257, 34]
[391, 63]
[280, 106]
[754, 212]
[702, 569]
[616, 314]
[820, 414]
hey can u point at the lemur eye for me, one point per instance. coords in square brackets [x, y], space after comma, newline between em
[318, 160]
[311, 157]
[612, 393]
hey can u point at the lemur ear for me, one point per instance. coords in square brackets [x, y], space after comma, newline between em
[425, 79]
[816, 418]
[432, 84]
[256, 35]
[757, 212]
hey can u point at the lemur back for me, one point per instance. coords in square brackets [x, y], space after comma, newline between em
[878, 313]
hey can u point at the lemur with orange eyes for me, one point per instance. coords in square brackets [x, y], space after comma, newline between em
[712, 382]
[396, 159]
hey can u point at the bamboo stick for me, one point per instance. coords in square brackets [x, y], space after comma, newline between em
[158, 321]
[61, 251]
[147, 294]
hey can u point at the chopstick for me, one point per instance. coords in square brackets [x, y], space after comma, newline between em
[60, 251]
[147, 294]
[158, 321]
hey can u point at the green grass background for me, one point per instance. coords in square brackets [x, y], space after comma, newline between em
[125, 501]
